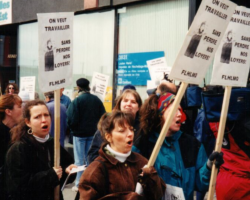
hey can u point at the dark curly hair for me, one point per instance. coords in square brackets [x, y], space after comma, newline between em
[21, 129]
[150, 119]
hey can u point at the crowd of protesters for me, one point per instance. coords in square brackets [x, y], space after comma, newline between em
[116, 147]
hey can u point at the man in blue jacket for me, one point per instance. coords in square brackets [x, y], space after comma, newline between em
[83, 115]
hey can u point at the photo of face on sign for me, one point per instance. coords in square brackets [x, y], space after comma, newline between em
[49, 56]
[195, 41]
[227, 48]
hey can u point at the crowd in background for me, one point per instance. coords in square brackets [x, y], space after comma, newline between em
[115, 147]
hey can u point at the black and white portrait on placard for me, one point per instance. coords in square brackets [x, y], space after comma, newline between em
[49, 57]
[195, 41]
[227, 48]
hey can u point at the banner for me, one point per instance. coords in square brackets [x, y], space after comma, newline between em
[99, 85]
[232, 59]
[202, 40]
[55, 50]
[27, 84]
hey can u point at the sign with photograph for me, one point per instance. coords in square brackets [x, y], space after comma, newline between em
[27, 84]
[55, 50]
[202, 40]
[99, 85]
[5, 12]
[157, 69]
[232, 59]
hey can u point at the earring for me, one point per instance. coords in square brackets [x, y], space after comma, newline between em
[29, 131]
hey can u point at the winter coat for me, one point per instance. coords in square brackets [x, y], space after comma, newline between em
[181, 162]
[29, 169]
[83, 114]
[121, 179]
[4, 143]
[233, 181]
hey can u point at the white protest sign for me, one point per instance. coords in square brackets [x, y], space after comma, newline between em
[99, 85]
[202, 40]
[55, 50]
[157, 69]
[232, 59]
[27, 84]
[173, 192]
[151, 85]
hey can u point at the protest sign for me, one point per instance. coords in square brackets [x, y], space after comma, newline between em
[99, 85]
[157, 69]
[231, 68]
[231, 63]
[55, 50]
[196, 54]
[55, 63]
[27, 84]
[202, 40]
[173, 192]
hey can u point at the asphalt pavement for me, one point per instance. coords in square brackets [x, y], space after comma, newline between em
[68, 194]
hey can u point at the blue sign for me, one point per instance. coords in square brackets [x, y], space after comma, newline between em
[133, 69]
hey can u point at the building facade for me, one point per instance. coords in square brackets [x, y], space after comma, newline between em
[103, 30]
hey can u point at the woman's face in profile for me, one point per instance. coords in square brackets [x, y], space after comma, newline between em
[202, 28]
[230, 36]
[176, 122]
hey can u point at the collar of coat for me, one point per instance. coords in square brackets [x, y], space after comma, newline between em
[168, 140]
[131, 159]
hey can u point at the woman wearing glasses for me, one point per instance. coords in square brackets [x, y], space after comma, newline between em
[11, 89]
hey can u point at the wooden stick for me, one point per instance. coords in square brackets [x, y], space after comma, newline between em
[57, 138]
[167, 123]
[223, 119]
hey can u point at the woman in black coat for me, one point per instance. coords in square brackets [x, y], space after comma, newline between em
[29, 167]
[10, 115]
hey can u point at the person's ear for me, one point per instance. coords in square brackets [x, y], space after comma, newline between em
[8, 112]
[108, 137]
[27, 122]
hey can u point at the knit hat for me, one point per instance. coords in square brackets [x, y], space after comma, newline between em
[129, 86]
[82, 83]
[164, 102]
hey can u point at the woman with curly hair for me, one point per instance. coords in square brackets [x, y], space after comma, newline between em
[29, 161]
[182, 160]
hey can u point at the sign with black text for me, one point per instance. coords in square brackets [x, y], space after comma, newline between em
[157, 69]
[27, 84]
[55, 50]
[99, 85]
[232, 59]
[202, 40]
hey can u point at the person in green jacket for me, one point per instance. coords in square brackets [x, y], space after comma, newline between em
[182, 161]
